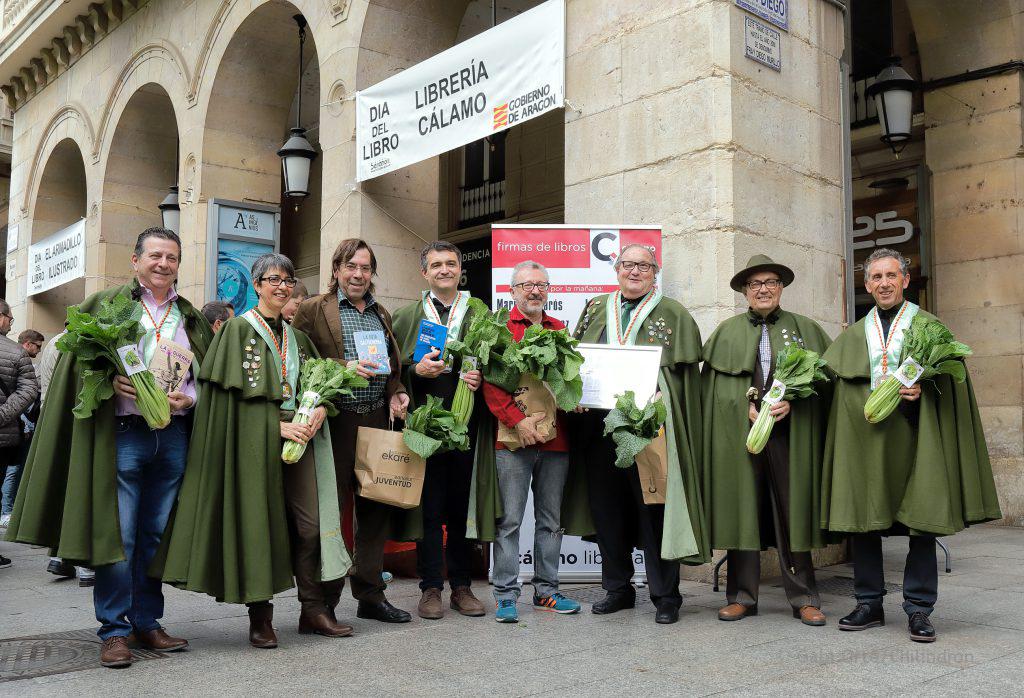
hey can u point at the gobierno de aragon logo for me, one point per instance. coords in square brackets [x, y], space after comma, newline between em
[523, 107]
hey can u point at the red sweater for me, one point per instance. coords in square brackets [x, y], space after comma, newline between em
[500, 402]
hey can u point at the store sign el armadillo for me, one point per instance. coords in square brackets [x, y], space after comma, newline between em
[57, 259]
[493, 81]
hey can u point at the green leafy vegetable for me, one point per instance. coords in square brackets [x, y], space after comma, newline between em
[94, 340]
[549, 356]
[632, 428]
[323, 382]
[929, 343]
[483, 344]
[799, 369]
[432, 429]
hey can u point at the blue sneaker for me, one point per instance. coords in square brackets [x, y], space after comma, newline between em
[505, 611]
[556, 603]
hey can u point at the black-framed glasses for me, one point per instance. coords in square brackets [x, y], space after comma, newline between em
[529, 286]
[770, 284]
[644, 267]
[277, 281]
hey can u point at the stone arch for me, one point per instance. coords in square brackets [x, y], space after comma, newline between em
[139, 169]
[70, 122]
[251, 106]
[60, 201]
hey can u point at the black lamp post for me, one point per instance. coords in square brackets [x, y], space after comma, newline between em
[297, 154]
[893, 91]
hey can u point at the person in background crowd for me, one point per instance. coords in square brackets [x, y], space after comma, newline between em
[217, 313]
[32, 342]
[279, 529]
[18, 391]
[132, 472]
[923, 471]
[638, 314]
[330, 320]
[772, 498]
[446, 484]
[300, 295]
[538, 465]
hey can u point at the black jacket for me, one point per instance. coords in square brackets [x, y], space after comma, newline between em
[18, 390]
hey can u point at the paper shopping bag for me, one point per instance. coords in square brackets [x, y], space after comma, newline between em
[532, 397]
[386, 470]
[652, 466]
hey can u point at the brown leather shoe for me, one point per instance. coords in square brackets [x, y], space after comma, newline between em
[736, 611]
[160, 641]
[465, 603]
[261, 627]
[430, 606]
[115, 653]
[809, 615]
[321, 624]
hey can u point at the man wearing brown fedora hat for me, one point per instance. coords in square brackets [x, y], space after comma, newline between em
[771, 498]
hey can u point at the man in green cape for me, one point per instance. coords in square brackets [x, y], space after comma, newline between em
[638, 314]
[924, 472]
[445, 498]
[99, 490]
[772, 498]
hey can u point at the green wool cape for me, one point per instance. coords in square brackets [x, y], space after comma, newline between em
[484, 498]
[730, 494]
[671, 326]
[935, 478]
[228, 534]
[67, 500]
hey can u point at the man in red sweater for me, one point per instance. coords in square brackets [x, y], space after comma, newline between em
[545, 463]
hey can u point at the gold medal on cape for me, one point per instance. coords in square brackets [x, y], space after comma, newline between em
[286, 390]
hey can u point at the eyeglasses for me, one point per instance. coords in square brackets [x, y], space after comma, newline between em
[366, 269]
[533, 286]
[644, 267]
[770, 284]
[277, 281]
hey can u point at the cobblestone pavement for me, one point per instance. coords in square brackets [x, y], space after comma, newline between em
[979, 618]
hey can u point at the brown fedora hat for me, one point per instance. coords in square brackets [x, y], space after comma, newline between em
[761, 262]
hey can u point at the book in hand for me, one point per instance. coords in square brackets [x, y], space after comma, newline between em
[170, 365]
[431, 336]
[371, 345]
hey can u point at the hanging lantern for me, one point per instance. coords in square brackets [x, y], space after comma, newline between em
[893, 91]
[297, 154]
[170, 211]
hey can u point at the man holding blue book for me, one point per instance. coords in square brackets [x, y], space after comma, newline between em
[423, 328]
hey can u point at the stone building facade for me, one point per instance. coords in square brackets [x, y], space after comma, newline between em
[667, 121]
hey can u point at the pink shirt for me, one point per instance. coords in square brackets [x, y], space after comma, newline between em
[123, 406]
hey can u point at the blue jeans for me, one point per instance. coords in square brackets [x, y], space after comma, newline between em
[150, 466]
[10, 488]
[516, 469]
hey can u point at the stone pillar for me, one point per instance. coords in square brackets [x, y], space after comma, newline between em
[974, 141]
[669, 123]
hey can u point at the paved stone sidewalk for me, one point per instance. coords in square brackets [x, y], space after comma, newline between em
[979, 617]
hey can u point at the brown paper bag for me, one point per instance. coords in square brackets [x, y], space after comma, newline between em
[532, 397]
[386, 470]
[652, 466]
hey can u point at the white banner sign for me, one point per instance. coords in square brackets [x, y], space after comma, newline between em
[57, 259]
[580, 262]
[495, 80]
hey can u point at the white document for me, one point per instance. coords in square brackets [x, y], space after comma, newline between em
[609, 371]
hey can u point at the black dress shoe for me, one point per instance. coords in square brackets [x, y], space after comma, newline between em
[61, 568]
[668, 613]
[921, 629]
[613, 603]
[862, 618]
[382, 611]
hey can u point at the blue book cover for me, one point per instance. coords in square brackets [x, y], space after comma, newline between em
[431, 336]
[371, 345]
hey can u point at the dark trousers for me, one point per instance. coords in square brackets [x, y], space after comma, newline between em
[445, 502]
[303, 506]
[622, 519]
[743, 574]
[920, 574]
[372, 519]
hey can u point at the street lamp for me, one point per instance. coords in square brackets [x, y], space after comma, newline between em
[893, 91]
[297, 154]
[170, 211]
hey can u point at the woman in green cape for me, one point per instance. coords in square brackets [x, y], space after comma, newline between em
[245, 521]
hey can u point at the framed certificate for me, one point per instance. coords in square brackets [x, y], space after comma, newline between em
[608, 371]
